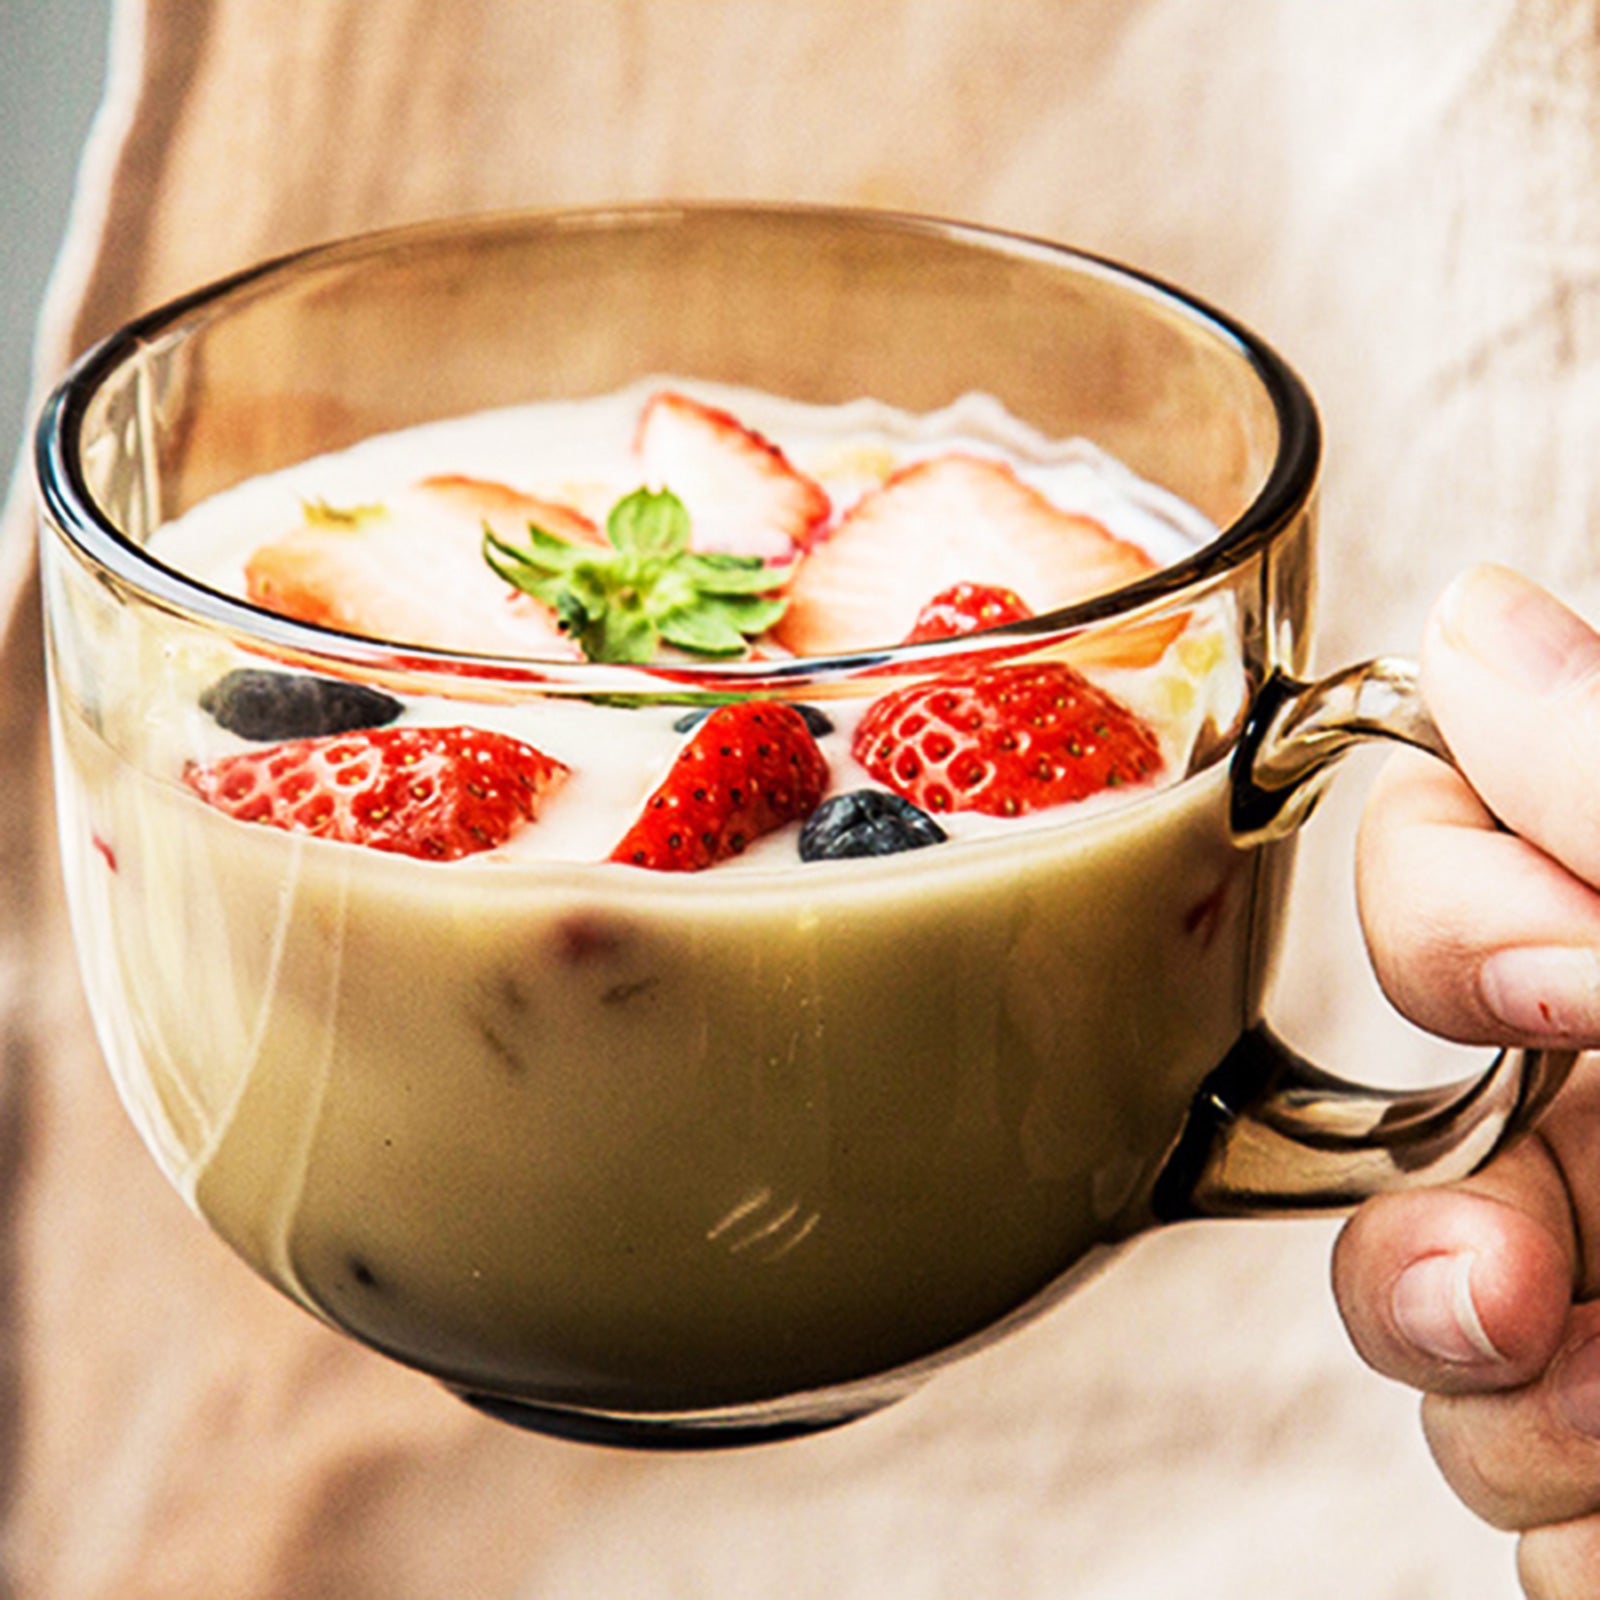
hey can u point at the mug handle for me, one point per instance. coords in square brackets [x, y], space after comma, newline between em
[1269, 1133]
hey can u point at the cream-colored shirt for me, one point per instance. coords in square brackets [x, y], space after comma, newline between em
[1404, 197]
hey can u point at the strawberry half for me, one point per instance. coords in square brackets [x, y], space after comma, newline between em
[1004, 740]
[950, 519]
[748, 769]
[966, 608]
[742, 494]
[509, 510]
[412, 571]
[434, 793]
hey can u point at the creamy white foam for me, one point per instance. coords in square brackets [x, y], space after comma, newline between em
[579, 453]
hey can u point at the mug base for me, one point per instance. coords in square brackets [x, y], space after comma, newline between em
[693, 1431]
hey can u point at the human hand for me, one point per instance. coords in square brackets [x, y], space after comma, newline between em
[1484, 1295]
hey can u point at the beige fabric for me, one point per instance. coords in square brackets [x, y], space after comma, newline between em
[1403, 196]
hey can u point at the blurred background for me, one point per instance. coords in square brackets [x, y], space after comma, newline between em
[52, 60]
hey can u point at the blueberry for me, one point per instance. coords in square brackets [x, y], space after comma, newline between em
[818, 722]
[267, 706]
[866, 822]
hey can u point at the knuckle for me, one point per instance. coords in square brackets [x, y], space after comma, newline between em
[1469, 1447]
[1560, 1561]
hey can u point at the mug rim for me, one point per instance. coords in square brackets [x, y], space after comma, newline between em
[74, 514]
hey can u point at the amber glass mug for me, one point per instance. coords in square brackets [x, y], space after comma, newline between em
[689, 1160]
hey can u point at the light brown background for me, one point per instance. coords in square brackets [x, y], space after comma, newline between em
[1404, 196]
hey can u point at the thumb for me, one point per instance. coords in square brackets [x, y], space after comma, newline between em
[1464, 1289]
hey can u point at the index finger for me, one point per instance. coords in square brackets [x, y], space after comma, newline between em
[1512, 677]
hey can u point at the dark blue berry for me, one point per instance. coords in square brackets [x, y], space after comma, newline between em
[866, 822]
[268, 706]
[819, 722]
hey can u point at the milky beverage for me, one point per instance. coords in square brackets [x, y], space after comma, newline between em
[641, 1141]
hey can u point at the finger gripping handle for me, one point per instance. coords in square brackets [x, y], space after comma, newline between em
[1269, 1132]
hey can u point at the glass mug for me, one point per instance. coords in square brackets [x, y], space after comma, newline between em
[672, 1159]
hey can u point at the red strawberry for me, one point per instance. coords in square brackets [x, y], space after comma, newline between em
[966, 608]
[508, 511]
[742, 494]
[412, 571]
[1004, 740]
[951, 519]
[435, 793]
[747, 769]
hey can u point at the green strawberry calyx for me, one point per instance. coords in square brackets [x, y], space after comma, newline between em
[622, 601]
[320, 514]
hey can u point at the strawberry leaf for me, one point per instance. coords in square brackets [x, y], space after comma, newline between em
[320, 514]
[621, 632]
[750, 614]
[702, 631]
[621, 601]
[649, 523]
[728, 574]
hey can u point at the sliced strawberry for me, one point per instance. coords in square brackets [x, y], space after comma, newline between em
[412, 572]
[747, 769]
[966, 608]
[509, 511]
[742, 494]
[950, 519]
[1004, 740]
[434, 793]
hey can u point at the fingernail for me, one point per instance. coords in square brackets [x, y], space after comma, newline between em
[1544, 992]
[1577, 1387]
[1516, 629]
[1434, 1310]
